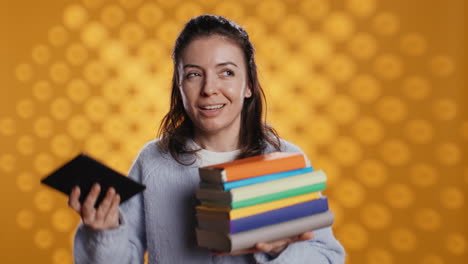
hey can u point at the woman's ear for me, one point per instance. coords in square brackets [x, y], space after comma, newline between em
[248, 92]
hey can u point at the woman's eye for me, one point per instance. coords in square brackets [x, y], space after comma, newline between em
[192, 74]
[228, 73]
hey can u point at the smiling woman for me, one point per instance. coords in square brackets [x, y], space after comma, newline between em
[213, 87]
[215, 116]
[214, 61]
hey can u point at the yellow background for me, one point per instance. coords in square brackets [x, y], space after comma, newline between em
[373, 91]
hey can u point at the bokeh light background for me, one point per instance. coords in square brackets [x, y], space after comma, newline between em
[373, 91]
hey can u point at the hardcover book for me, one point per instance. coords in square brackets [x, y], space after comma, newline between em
[222, 204]
[232, 242]
[226, 186]
[251, 167]
[226, 225]
[256, 209]
[262, 189]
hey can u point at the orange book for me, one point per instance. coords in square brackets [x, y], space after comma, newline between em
[253, 167]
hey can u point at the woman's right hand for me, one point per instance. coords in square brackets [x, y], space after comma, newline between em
[106, 216]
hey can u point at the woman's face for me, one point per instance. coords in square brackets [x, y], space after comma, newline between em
[213, 85]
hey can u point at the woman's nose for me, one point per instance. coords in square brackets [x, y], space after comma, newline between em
[210, 85]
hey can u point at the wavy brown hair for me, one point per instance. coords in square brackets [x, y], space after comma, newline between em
[176, 127]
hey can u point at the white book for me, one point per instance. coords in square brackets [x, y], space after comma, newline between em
[232, 242]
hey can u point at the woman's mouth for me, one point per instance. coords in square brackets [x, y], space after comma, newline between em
[211, 111]
[212, 107]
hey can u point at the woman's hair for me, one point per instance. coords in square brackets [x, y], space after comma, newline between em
[176, 127]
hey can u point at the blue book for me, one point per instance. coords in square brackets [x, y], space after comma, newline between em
[225, 225]
[226, 186]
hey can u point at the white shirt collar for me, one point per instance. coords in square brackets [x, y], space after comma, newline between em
[208, 157]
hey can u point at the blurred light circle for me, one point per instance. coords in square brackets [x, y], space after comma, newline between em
[395, 152]
[388, 66]
[419, 131]
[448, 153]
[346, 151]
[361, 8]
[41, 54]
[58, 36]
[399, 195]
[363, 45]
[427, 219]
[76, 54]
[24, 72]
[371, 172]
[403, 239]
[442, 65]
[112, 16]
[26, 182]
[43, 238]
[42, 90]
[349, 193]
[353, 236]
[26, 145]
[386, 24]
[59, 72]
[150, 14]
[423, 175]
[413, 44]
[315, 10]
[60, 108]
[78, 90]
[339, 26]
[75, 16]
[379, 256]
[375, 215]
[25, 219]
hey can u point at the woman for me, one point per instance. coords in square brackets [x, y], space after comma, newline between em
[215, 116]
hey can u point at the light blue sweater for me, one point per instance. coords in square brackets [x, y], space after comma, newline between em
[161, 220]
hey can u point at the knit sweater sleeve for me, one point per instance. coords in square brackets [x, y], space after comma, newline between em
[323, 248]
[125, 244]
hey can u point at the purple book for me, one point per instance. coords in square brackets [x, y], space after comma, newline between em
[217, 224]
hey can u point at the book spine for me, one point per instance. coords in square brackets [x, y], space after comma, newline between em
[263, 167]
[260, 208]
[211, 186]
[266, 178]
[216, 195]
[265, 188]
[247, 239]
[279, 215]
[278, 196]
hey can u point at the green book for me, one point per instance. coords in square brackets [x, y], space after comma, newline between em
[265, 198]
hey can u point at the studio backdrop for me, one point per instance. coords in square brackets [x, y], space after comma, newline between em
[374, 92]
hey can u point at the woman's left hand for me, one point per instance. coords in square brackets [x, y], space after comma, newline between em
[273, 248]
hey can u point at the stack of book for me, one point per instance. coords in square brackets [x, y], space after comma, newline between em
[259, 199]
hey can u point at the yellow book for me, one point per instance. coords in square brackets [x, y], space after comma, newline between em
[258, 208]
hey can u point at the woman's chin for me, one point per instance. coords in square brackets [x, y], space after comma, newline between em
[217, 125]
[210, 128]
